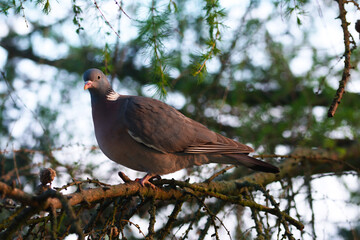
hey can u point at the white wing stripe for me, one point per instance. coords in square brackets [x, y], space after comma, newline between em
[140, 141]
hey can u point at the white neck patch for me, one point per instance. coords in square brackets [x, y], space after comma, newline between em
[112, 96]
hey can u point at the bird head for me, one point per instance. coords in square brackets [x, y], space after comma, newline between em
[96, 81]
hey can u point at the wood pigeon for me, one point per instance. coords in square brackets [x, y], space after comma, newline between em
[150, 136]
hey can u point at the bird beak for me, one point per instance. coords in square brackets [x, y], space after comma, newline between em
[88, 84]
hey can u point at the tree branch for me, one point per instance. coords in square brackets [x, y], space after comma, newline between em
[347, 54]
[301, 161]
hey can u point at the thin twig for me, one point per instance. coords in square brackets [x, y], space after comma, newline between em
[172, 218]
[53, 222]
[136, 225]
[254, 216]
[16, 170]
[18, 221]
[152, 212]
[12, 92]
[353, 2]
[310, 199]
[106, 21]
[23, 11]
[219, 173]
[347, 64]
[212, 216]
[122, 10]
[281, 215]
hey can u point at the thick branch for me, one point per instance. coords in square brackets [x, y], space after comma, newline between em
[321, 161]
[227, 190]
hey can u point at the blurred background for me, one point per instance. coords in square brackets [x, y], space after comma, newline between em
[261, 72]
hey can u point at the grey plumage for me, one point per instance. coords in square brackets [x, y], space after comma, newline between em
[148, 135]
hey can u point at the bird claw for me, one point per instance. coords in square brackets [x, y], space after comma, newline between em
[145, 180]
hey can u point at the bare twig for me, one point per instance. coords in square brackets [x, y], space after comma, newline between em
[121, 9]
[166, 229]
[192, 222]
[16, 170]
[11, 91]
[106, 21]
[152, 212]
[136, 225]
[23, 13]
[18, 221]
[53, 222]
[310, 199]
[169, 190]
[219, 173]
[347, 55]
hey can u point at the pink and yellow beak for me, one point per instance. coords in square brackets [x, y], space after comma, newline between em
[88, 84]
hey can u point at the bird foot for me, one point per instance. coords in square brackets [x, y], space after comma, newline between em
[146, 180]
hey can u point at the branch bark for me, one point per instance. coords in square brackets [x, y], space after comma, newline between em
[347, 55]
[320, 161]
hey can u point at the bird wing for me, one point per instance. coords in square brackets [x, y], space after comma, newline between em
[161, 127]
[222, 145]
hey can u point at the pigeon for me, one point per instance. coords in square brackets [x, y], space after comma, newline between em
[147, 135]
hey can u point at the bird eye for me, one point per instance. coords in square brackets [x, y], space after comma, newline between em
[98, 77]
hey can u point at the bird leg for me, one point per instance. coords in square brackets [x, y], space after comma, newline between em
[146, 178]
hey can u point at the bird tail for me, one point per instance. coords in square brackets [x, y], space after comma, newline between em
[253, 163]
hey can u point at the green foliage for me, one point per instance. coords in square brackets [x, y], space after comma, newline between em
[46, 8]
[77, 19]
[174, 5]
[152, 32]
[6, 5]
[293, 8]
[213, 16]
